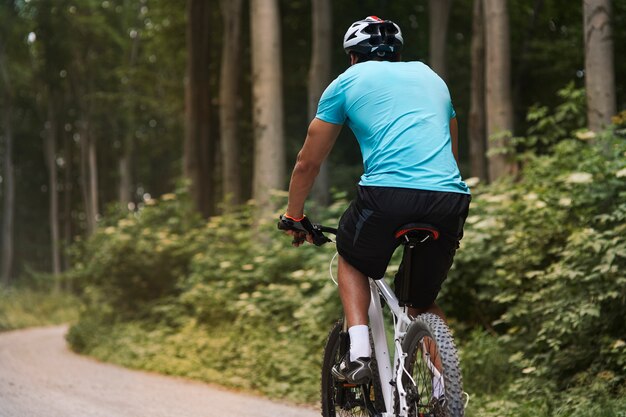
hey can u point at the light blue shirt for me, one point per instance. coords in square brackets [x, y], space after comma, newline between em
[400, 114]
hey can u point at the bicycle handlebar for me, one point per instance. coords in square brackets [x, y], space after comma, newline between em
[315, 230]
[327, 229]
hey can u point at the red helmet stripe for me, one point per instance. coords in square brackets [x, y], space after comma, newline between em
[376, 18]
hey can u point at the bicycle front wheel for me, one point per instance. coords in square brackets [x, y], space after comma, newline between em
[432, 377]
[340, 399]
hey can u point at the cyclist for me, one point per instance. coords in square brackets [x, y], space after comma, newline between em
[402, 116]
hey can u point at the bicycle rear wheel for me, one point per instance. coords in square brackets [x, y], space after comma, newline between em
[340, 399]
[434, 387]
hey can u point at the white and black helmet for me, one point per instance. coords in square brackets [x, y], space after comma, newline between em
[371, 35]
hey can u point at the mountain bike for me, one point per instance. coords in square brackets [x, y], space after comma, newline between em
[423, 378]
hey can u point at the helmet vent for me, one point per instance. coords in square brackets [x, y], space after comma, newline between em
[373, 34]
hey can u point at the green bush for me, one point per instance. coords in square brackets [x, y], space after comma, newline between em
[544, 258]
[23, 307]
[138, 258]
[228, 294]
[542, 267]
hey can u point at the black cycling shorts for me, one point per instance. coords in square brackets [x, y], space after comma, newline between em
[366, 236]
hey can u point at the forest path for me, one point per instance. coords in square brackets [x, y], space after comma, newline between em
[41, 377]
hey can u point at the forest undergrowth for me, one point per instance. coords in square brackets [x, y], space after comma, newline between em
[27, 307]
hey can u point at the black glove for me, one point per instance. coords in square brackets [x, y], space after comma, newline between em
[305, 226]
[298, 225]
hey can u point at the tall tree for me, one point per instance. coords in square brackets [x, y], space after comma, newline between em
[50, 154]
[88, 170]
[52, 57]
[93, 177]
[8, 179]
[199, 147]
[319, 78]
[125, 162]
[476, 122]
[82, 90]
[439, 14]
[267, 113]
[229, 97]
[599, 70]
[498, 95]
[68, 188]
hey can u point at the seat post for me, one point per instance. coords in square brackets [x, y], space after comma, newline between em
[411, 235]
[405, 279]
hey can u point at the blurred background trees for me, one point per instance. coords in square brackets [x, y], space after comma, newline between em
[107, 104]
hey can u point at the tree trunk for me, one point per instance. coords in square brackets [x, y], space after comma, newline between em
[86, 181]
[476, 122]
[8, 179]
[319, 78]
[199, 149]
[126, 160]
[125, 168]
[93, 179]
[599, 69]
[50, 156]
[68, 187]
[229, 96]
[87, 166]
[439, 13]
[498, 83]
[269, 149]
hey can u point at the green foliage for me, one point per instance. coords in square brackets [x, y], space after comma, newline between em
[547, 127]
[542, 266]
[485, 361]
[165, 292]
[21, 308]
[137, 258]
[548, 254]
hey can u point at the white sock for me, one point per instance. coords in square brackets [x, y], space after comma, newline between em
[359, 342]
[439, 389]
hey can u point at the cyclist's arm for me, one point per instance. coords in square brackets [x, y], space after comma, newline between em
[454, 134]
[319, 141]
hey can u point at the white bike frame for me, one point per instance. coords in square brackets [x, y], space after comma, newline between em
[390, 376]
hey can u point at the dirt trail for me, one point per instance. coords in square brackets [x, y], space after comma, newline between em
[40, 377]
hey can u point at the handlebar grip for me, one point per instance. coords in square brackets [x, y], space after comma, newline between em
[305, 225]
[282, 226]
[319, 239]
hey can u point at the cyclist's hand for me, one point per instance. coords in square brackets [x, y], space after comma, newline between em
[299, 238]
[298, 228]
[302, 229]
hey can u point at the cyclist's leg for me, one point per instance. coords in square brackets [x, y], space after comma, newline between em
[362, 253]
[354, 291]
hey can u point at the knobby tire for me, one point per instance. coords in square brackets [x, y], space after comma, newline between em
[430, 333]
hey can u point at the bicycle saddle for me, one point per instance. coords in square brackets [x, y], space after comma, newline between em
[419, 231]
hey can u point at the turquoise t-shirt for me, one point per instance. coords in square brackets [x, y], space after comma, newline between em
[400, 114]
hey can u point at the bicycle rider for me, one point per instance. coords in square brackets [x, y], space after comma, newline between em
[403, 119]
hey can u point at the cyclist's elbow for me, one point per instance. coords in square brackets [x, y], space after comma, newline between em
[306, 166]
